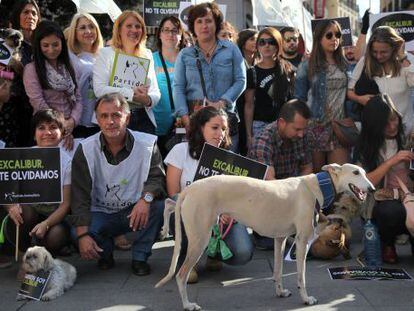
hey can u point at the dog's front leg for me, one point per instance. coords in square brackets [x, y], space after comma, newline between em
[278, 267]
[52, 293]
[301, 251]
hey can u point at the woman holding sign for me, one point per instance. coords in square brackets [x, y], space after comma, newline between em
[208, 125]
[127, 67]
[44, 222]
[211, 73]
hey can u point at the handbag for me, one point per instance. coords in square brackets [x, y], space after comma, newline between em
[233, 118]
[346, 132]
[174, 138]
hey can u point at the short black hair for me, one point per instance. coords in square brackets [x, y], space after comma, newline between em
[48, 116]
[293, 107]
[288, 29]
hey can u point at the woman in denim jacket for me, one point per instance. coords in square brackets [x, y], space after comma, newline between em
[221, 62]
[321, 81]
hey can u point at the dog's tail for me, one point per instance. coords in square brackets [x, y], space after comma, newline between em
[178, 238]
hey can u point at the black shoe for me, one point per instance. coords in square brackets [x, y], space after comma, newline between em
[106, 263]
[140, 268]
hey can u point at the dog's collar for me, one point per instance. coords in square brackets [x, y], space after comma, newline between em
[327, 188]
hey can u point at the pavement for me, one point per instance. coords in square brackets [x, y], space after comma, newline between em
[245, 288]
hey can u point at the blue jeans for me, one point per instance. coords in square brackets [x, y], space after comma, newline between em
[104, 227]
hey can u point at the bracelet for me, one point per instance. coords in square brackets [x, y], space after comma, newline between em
[82, 236]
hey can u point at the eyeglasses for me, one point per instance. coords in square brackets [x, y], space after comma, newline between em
[169, 31]
[90, 27]
[330, 35]
[294, 39]
[263, 42]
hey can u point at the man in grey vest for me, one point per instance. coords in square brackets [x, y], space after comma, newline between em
[117, 177]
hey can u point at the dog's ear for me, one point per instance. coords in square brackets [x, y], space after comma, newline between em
[47, 260]
[332, 168]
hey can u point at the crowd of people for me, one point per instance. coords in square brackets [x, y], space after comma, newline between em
[256, 93]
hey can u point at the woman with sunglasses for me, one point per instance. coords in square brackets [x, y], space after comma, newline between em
[321, 81]
[170, 41]
[388, 69]
[210, 73]
[269, 83]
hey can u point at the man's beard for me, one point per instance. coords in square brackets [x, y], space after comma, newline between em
[290, 52]
[350, 59]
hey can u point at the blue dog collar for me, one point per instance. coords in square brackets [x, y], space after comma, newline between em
[327, 188]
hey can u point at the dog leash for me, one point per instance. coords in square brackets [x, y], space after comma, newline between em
[327, 188]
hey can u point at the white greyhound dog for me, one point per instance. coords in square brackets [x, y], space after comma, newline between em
[277, 209]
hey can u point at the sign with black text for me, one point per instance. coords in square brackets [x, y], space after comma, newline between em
[402, 22]
[345, 28]
[155, 11]
[30, 175]
[129, 71]
[365, 273]
[217, 161]
[34, 285]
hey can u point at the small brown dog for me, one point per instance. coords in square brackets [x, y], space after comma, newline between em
[334, 232]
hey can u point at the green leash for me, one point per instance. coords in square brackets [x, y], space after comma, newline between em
[3, 223]
[217, 245]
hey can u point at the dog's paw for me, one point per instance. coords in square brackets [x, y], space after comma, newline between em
[191, 306]
[46, 298]
[310, 301]
[283, 293]
[163, 234]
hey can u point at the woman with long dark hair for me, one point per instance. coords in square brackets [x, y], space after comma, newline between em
[269, 83]
[50, 80]
[381, 152]
[321, 81]
[208, 125]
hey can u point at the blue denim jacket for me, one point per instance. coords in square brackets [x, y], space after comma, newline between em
[318, 86]
[225, 76]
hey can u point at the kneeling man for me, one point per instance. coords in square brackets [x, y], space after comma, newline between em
[116, 176]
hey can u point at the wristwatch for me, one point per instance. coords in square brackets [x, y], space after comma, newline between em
[148, 197]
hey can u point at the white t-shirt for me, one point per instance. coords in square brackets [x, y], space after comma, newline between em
[179, 157]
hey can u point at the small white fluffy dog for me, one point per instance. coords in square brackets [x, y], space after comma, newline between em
[63, 274]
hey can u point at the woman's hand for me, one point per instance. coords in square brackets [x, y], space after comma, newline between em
[401, 51]
[15, 213]
[225, 219]
[40, 230]
[364, 99]
[401, 156]
[68, 142]
[141, 95]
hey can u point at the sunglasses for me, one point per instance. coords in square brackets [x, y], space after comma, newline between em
[330, 35]
[294, 39]
[263, 42]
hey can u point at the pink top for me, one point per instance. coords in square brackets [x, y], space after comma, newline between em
[49, 98]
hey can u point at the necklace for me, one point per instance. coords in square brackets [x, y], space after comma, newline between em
[207, 52]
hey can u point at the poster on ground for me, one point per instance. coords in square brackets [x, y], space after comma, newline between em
[345, 27]
[366, 273]
[217, 161]
[30, 175]
[34, 285]
[402, 22]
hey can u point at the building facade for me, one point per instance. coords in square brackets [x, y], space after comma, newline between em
[344, 8]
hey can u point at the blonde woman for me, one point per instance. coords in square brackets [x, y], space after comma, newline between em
[129, 36]
[84, 41]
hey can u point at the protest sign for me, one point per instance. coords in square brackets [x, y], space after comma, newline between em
[129, 71]
[402, 22]
[216, 161]
[366, 273]
[34, 285]
[155, 11]
[345, 27]
[30, 175]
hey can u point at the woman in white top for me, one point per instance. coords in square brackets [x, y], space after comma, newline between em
[128, 37]
[208, 125]
[45, 222]
[391, 68]
[84, 41]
